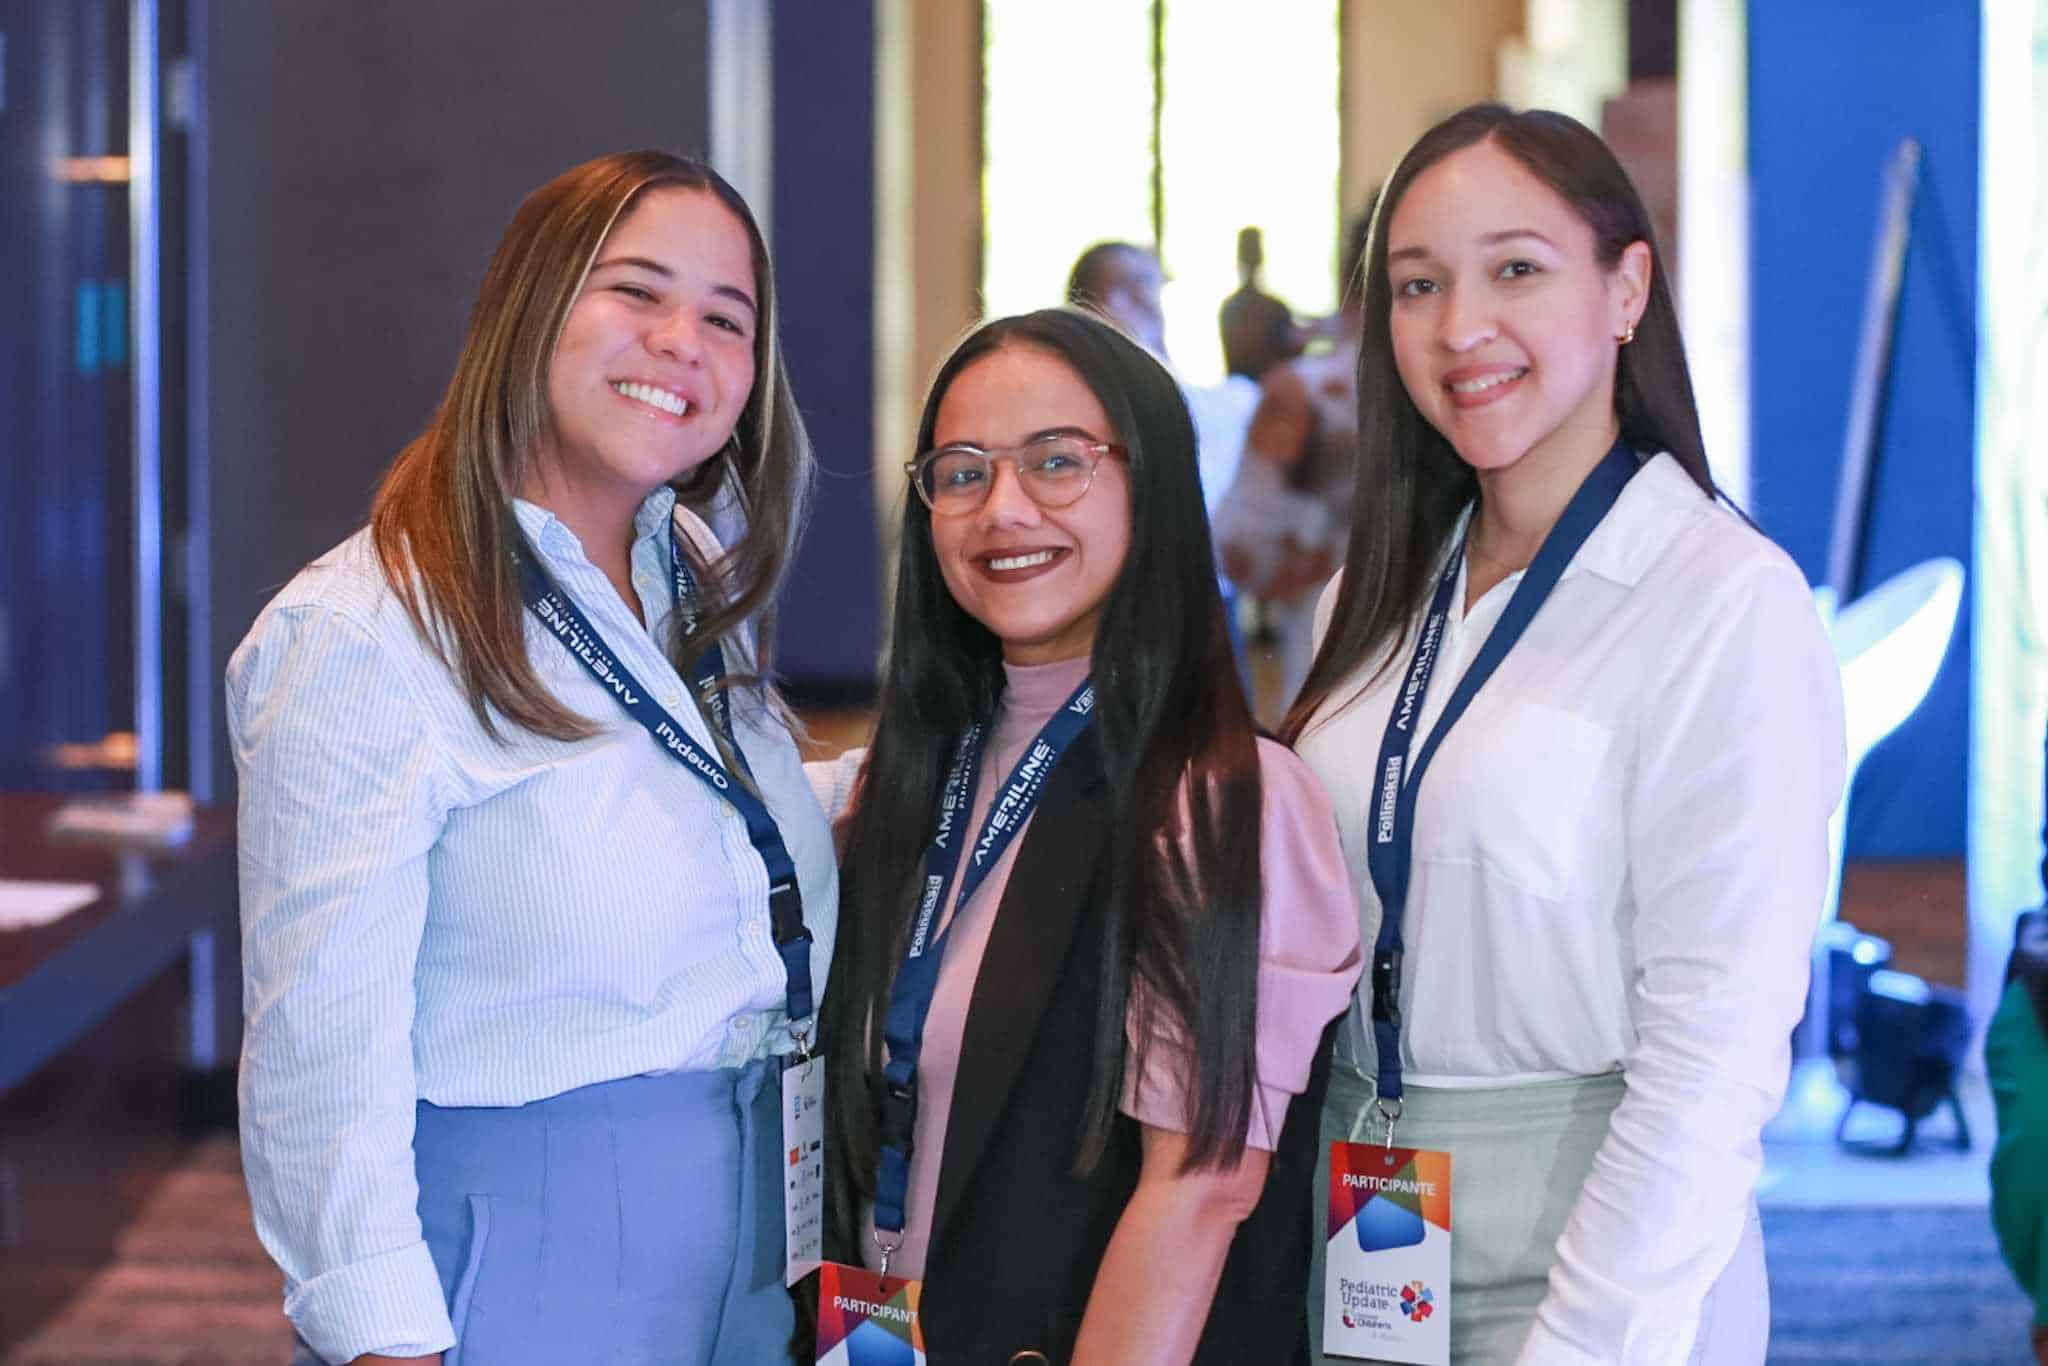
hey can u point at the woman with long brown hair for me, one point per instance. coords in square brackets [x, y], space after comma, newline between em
[1583, 732]
[534, 892]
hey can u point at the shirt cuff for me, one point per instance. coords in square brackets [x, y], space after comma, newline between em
[389, 1304]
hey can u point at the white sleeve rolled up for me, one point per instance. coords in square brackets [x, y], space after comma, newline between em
[339, 808]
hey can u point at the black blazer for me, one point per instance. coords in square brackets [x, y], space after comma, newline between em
[1017, 1237]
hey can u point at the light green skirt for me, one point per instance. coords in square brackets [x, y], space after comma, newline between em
[1519, 1156]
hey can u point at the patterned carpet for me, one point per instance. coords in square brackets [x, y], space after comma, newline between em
[1862, 1286]
[1849, 1286]
[190, 1286]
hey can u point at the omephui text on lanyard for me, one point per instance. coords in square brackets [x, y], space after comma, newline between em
[1390, 853]
[566, 622]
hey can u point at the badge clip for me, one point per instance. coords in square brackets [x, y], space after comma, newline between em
[1389, 1115]
[888, 1250]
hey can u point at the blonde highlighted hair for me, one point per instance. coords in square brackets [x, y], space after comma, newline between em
[442, 522]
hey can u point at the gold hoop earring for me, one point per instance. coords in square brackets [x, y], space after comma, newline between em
[1628, 334]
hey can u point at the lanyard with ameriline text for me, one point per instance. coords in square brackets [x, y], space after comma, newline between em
[910, 1000]
[708, 673]
[567, 624]
[1390, 851]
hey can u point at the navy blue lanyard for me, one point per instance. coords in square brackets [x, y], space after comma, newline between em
[559, 613]
[1391, 848]
[910, 1001]
[709, 669]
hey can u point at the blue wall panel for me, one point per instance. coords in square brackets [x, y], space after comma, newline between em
[1834, 85]
[824, 263]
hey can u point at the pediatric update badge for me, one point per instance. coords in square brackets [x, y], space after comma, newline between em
[867, 1320]
[1387, 1278]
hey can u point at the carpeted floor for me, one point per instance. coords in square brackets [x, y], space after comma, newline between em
[190, 1285]
[1868, 1286]
[1862, 1286]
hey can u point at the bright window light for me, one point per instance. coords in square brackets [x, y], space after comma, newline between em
[1067, 140]
[1248, 135]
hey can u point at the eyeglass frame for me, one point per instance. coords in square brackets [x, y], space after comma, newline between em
[1096, 451]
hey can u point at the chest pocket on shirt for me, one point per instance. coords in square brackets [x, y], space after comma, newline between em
[1512, 791]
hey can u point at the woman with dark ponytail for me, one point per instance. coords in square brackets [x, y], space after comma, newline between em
[1094, 1119]
[1583, 732]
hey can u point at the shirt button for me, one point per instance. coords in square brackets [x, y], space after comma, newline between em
[742, 1025]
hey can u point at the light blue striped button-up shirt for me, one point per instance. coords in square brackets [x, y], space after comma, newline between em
[429, 914]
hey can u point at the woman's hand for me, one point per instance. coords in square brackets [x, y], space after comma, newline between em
[1152, 1292]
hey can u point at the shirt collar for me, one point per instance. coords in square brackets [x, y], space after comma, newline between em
[1661, 498]
[1658, 500]
[657, 511]
[551, 536]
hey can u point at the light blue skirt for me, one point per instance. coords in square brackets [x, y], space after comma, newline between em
[1519, 1156]
[634, 1221]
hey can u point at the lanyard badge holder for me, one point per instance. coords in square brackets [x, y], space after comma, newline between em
[853, 1300]
[802, 1081]
[1387, 1270]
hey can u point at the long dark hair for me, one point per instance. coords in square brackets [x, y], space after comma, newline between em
[442, 522]
[1181, 927]
[1411, 483]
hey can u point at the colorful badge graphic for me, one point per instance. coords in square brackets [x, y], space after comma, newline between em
[1392, 1193]
[867, 1320]
[1388, 1262]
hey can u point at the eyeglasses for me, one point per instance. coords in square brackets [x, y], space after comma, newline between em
[1053, 470]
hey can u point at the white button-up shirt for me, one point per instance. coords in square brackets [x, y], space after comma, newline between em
[1620, 860]
[430, 914]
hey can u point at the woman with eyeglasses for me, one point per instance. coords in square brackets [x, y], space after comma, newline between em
[1096, 927]
[530, 870]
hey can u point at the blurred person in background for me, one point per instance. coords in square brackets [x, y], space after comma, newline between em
[1258, 330]
[1281, 526]
[1123, 283]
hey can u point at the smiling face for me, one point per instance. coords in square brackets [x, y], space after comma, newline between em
[656, 358]
[1036, 577]
[1504, 324]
